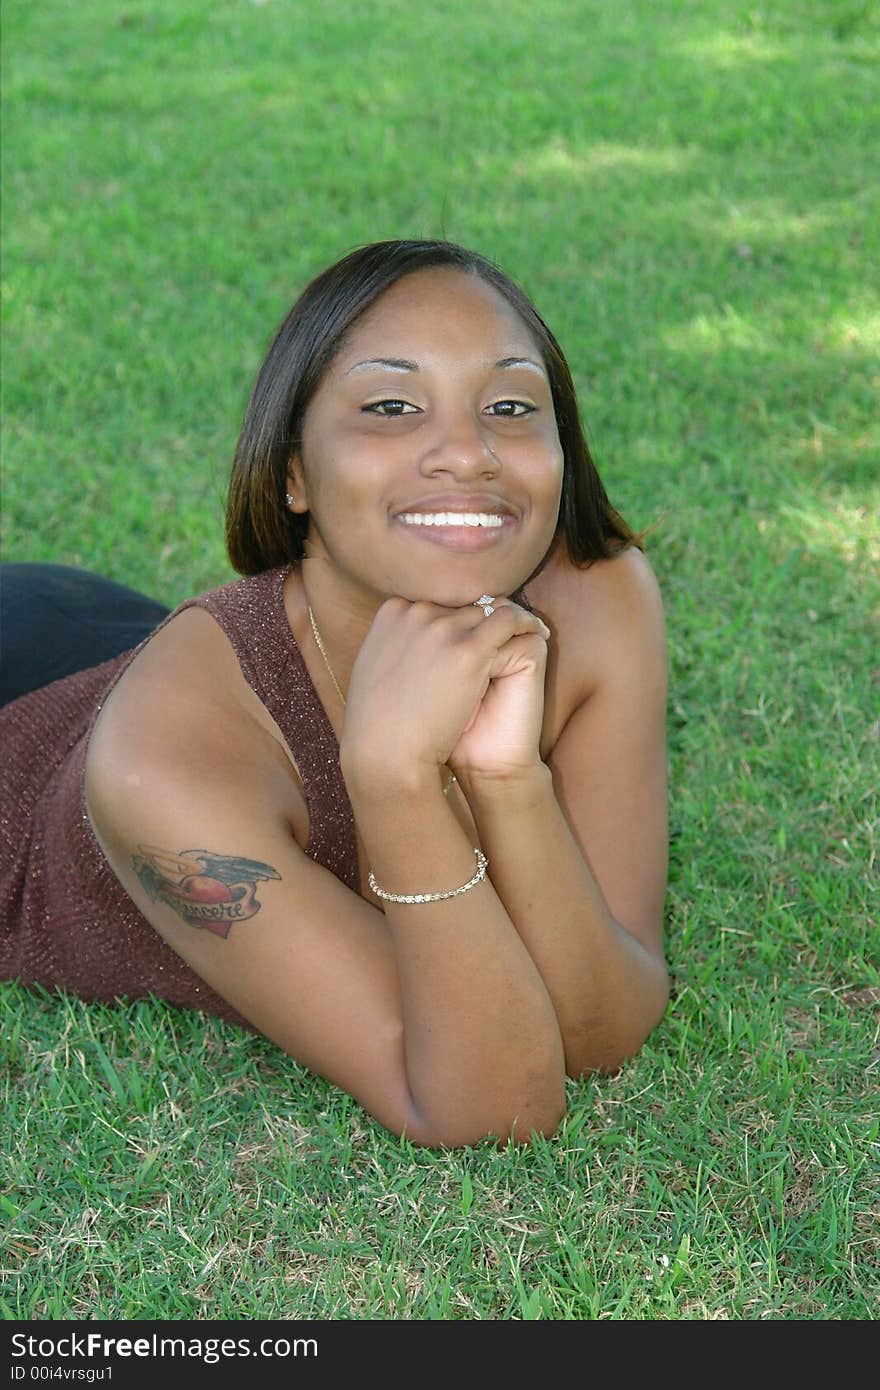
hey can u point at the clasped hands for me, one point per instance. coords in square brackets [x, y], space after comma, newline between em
[434, 685]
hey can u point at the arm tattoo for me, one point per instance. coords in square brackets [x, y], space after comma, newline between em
[208, 890]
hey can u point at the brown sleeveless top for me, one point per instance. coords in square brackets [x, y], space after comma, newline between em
[65, 920]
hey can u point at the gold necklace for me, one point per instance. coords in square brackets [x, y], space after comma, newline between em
[320, 645]
[324, 654]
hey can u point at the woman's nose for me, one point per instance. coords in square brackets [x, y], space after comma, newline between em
[461, 446]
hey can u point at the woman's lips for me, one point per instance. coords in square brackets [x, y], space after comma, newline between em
[464, 538]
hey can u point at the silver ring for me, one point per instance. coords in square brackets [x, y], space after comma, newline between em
[485, 602]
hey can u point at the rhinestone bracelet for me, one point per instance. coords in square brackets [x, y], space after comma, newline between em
[482, 865]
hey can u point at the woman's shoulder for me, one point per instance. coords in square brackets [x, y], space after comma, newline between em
[209, 649]
[184, 698]
[600, 614]
[623, 578]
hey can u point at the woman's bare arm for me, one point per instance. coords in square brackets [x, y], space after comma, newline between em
[579, 849]
[483, 1046]
[435, 1018]
[608, 989]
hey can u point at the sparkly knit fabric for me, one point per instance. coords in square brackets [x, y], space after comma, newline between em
[65, 920]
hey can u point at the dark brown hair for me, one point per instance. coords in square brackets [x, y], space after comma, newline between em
[261, 531]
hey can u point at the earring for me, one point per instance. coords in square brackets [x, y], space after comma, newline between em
[290, 499]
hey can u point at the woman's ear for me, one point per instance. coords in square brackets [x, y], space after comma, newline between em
[297, 499]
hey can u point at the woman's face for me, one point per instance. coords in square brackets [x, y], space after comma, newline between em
[431, 465]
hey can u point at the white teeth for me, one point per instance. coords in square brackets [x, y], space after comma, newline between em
[452, 519]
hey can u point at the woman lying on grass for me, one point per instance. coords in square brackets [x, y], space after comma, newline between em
[397, 799]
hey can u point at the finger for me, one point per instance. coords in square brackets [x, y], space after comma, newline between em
[520, 652]
[507, 619]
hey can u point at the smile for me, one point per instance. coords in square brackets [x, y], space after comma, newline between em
[452, 519]
[462, 531]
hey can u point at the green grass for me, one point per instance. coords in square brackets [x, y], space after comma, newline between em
[689, 192]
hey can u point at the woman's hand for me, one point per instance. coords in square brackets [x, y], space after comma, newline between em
[433, 685]
[503, 734]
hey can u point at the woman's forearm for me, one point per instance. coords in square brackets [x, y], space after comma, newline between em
[607, 989]
[483, 1050]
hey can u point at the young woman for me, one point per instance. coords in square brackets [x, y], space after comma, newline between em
[397, 798]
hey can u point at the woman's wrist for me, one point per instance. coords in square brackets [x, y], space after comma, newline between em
[517, 785]
[369, 780]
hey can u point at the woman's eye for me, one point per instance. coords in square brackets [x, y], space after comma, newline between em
[511, 410]
[391, 407]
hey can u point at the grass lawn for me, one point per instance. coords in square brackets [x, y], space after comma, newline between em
[689, 192]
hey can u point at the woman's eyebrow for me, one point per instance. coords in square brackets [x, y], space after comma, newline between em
[401, 364]
[521, 362]
[396, 364]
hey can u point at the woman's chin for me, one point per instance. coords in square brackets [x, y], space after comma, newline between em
[454, 596]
